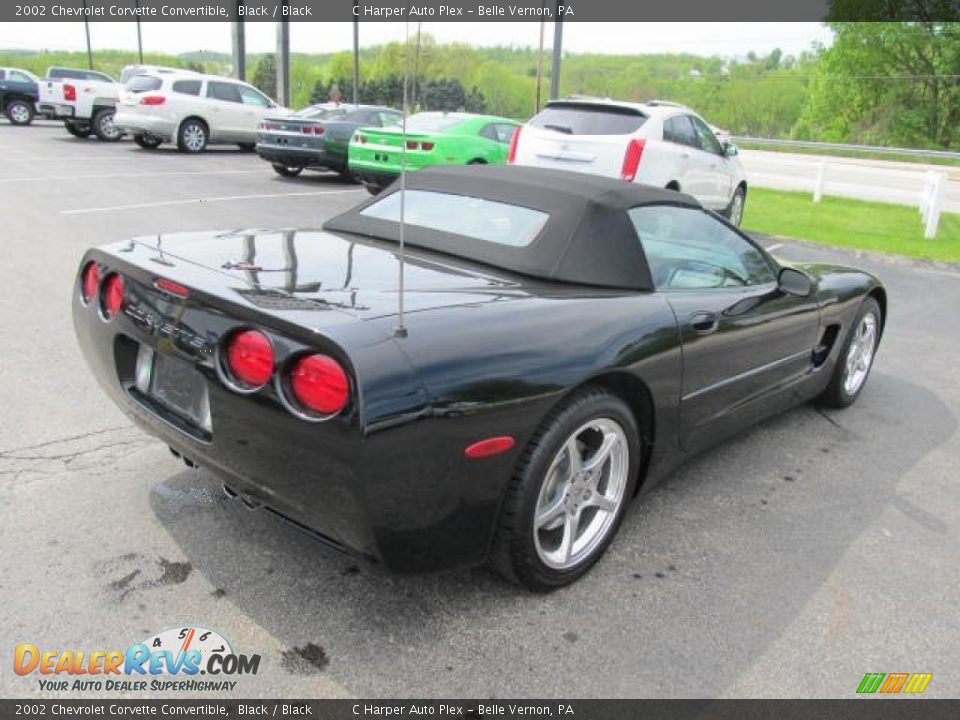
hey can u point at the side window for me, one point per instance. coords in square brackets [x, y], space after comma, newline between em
[505, 133]
[708, 141]
[677, 129]
[688, 248]
[249, 96]
[18, 76]
[3, 74]
[226, 92]
[489, 132]
[186, 87]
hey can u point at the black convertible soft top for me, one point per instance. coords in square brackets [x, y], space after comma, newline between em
[588, 239]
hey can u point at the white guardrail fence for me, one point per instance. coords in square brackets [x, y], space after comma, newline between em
[933, 189]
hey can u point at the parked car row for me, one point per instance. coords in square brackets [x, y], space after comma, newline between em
[657, 143]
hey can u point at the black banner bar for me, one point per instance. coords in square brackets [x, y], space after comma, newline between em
[872, 708]
[476, 10]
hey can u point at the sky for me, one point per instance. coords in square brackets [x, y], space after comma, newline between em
[727, 39]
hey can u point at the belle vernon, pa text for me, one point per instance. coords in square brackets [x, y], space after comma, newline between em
[388, 13]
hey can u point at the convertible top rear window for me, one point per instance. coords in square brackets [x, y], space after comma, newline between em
[462, 215]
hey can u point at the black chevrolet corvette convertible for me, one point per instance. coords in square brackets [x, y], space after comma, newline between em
[565, 340]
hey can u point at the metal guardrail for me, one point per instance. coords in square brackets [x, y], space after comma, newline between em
[881, 149]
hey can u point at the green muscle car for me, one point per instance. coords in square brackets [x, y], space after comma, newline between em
[432, 138]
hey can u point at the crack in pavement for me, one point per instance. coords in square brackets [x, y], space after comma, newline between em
[78, 452]
[68, 438]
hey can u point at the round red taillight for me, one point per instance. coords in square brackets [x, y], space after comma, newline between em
[250, 358]
[319, 384]
[112, 295]
[89, 281]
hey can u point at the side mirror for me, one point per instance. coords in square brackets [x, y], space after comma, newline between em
[729, 149]
[794, 282]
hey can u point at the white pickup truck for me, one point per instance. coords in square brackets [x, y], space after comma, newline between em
[84, 99]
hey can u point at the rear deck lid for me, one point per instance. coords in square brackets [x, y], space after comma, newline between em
[311, 270]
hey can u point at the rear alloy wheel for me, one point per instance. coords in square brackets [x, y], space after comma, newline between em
[287, 171]
[569, 492]
[19, 112]
[103, 126]
[734, 212]
[192, 137]
[855, 359]
[77, 129]
[147, 142]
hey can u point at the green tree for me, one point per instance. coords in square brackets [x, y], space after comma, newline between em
[265, 76]
[889, 83]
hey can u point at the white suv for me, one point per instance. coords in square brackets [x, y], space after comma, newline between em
[192, 110]
[655, 143]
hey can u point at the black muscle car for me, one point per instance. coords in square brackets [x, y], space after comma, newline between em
[565, 341]
[317, 137]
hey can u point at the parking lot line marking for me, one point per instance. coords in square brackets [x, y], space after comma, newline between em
[49, 178]
[199, 201]
[63, 158]
[775, 246]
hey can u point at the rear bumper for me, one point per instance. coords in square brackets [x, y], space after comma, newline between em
[399, 494]
[135, 124]
[296, 157]
[373, 177]
[56, 111]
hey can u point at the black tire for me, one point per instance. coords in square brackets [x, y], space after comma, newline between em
[373, 189]
[103, 126]
[734, 210]
[247, 147]
[79, 130]
[287, 171]
[147, 142]
[514, 553]
[839, 394]
[19, 112]
[477, 161]
[193, 135]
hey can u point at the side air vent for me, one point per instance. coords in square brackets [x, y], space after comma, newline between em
[822, 351]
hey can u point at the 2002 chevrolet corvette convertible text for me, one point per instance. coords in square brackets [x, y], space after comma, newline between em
[568, 339]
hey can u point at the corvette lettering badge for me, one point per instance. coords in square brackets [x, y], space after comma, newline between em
[161, 328]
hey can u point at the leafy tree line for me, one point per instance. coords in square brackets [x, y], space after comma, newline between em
[885, 83]
[445, 94]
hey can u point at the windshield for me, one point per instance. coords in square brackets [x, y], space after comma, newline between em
[573, 119]
[471, 217]
[143, 83]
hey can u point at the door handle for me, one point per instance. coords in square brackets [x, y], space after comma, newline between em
[704, 322]
[685, 156]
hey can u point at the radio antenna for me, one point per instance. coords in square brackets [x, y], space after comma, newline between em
[401, 331]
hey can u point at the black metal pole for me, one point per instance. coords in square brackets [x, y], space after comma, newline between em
[86, 27]
[283, 61]
[139, 36]
[356, 52]
[557, 49]
[536, 104]
[239, 49]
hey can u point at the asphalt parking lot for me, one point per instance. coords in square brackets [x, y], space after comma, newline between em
[817, 547]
